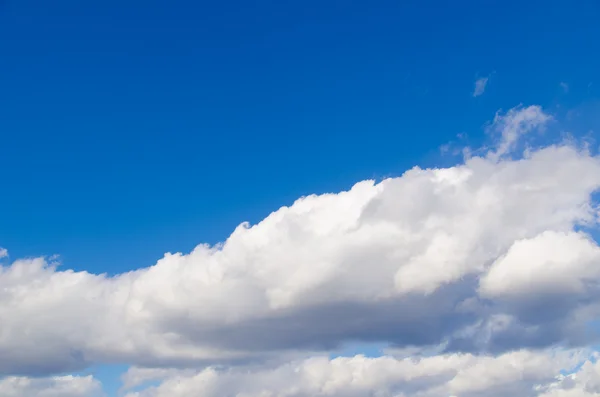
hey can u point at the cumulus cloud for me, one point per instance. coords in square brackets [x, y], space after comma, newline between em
[58, 386]
[480, 85]
[3, 253]
[484, 260]
[549, 264]
[520, 373]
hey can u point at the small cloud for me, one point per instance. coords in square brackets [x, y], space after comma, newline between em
[480, 85]
[515, 123]
[3, 252]
[564, 86]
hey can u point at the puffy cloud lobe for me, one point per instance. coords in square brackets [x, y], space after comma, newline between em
[431, 257]
[59, 386]
[520, 373]
[551, 263]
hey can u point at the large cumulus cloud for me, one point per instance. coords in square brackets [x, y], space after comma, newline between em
[491, 256]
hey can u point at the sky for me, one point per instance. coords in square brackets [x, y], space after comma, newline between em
[299, 198]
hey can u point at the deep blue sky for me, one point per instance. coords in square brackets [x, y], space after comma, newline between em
[132, 128]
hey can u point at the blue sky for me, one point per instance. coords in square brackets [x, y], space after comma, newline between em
[135, 128]
[131, 129]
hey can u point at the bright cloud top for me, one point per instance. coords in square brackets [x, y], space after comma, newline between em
[485, 260]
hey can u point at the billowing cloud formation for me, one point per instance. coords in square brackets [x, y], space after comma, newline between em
[520, 373]
[489, 257]
[59, 386]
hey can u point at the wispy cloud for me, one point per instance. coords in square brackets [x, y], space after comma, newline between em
[515, 123]
[480, 85]
[564, 86]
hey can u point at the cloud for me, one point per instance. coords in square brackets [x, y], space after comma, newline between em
[520, 373]
[3, 253]
[512, 125]
[564, 86]
[58, 386]
[584, 382]
[434, 257]
[551, 263]
[480, 85]
[136, 376]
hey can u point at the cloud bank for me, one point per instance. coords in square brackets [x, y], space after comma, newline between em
[491, 263]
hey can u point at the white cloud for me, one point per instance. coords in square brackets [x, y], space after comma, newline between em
[3, 253]
[396, 261]
[513, 125]
[480, 85]
[58, 386]
[521, 373]
[551, 263]
[584, 382]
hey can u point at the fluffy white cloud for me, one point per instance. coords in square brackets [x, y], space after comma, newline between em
[58, 386]
[433, 257]
[520, 373]
[551, 263]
